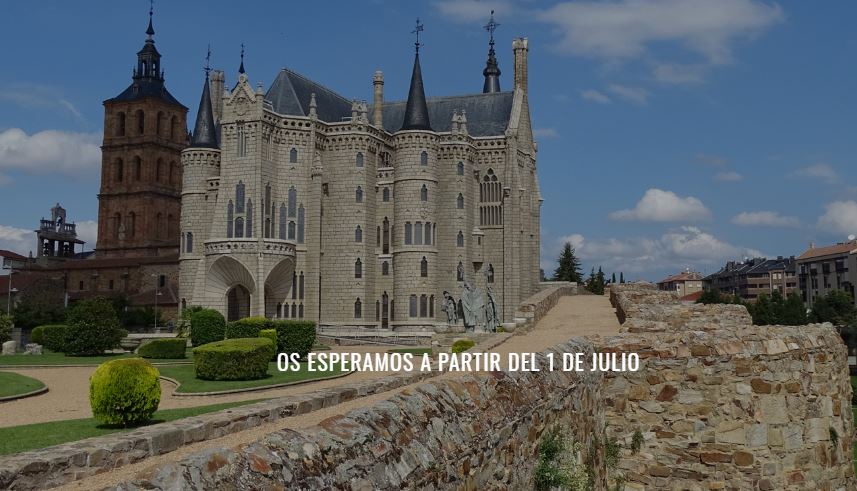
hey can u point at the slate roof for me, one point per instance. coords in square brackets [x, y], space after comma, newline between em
[205, 133]
[290, 95]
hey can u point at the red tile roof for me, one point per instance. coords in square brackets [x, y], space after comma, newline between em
[683, 276]
[12, 255]
[845, 248]
[691, 297]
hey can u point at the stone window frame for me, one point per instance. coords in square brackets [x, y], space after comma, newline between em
[358, 309]
[358, 269]
[428, 234]
[423, 158]
[358, 234]
[459, 240]
[230, 216]
[459, 202]
[459, 272]
[418, 233]
[119, 170]
[385, 268]
[293, 155]
[424, 268]
[358, 159]
[423, 305]
[120, 123]
[385, 195]
[284, 222]
[188, 241]
[460, 169]
[489, 273]
[358, 194]
[412, 306]
[424, 193]
[408, 233]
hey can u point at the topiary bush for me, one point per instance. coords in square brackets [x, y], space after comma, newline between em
[462, 345]
[233, 359]
[207, 326]
[124, 392]
[294, 336]
[167, 348]
[93, 327]
[272, 335]
[51, 336]
[248, 327]
[5, 328]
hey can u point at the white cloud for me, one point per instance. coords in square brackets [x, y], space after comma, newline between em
[634, 95]
[49, 151]
[466, 11]
[764, 219]
[595, 96]
[818, 170]
[546, 133]
[17, 240]
[730, 176]
[87, 231]
[33, 96]
[680, 73]
[664, 206]
[840, 217]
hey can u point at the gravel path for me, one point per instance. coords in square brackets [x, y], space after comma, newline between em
[584, 315]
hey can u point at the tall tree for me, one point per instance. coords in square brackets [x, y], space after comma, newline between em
[621, 277]
[569, 266]
[613, 279]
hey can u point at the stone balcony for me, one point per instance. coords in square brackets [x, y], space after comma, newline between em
[251, 245]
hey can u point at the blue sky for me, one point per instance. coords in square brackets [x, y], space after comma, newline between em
[672, 133]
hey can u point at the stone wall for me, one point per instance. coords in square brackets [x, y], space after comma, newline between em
[723, 404]
[536, 306]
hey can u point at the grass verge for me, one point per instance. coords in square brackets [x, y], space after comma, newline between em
[12, 384]
[17, 439]
[413, 351]
[186, 376]
[51, 358]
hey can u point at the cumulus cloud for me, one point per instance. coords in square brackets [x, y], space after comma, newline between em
[546, 133]
[764, 219]
[87, 231]
[595, 96]
[839, 217]
[49, 151]
[818, 170]
[635, 95]
[16, 239]
[658, 205]
[729, 176]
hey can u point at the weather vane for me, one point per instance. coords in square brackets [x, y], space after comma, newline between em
[417, 31]
[207, 66]
[490, 27]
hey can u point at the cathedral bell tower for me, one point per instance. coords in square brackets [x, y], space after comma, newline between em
[145, 130]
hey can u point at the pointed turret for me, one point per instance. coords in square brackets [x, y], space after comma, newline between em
[204, 131]
[416, 110]
[148, 58]
[241, 68]
[492, 69]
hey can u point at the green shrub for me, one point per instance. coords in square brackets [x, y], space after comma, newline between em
[51, 336]
[93, 327]
[233, 359]
[5, 328]
[462, 345]
[167, 348]
[294, 336]
[272, 335]
[124, 392]
[248, 327]
[207, 326]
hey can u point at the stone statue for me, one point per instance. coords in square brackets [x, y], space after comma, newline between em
[451, 308]
[492, 320]
[473, 306]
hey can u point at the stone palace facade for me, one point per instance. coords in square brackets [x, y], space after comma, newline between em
[300, 203]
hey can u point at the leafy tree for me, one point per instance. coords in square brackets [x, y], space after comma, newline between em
[762, 311]
[713, 297]
[569, 266]
[5, 328]
[43, 302]
[837, 307]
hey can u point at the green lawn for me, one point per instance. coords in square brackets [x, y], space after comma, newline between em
[12, 384]
[50, 358]
[186, 375]
[413, 351]
[40, 435]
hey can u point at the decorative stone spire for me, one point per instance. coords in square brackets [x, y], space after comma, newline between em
[313, 106]
[492, 70]
[241, 68]
[416, 110]
[204, 132]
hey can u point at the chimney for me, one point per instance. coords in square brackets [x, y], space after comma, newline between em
[217, 82]
[378, 101]
[520, 48]
[812, 245]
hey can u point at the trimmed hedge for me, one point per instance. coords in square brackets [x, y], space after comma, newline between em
[233, 359]
[272, 335]
[207, 326]
[167, 348]
[51, 336]
[248, 327]
[462, 345]
[124, 392]
[93, 328]
[294, 336]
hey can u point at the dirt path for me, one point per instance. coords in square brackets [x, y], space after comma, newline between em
[572, 316]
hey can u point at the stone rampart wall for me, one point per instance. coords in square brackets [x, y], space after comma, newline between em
[537, 305]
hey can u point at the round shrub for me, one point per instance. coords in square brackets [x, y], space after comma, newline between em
[272, 335]
[50, 336]
[207, 326]
[93, 327]
[124, 392]
[247, 327]
[167, 348]
[233, 359]
[462, 345]
[294, 336]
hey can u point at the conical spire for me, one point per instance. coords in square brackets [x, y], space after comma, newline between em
[204, 131]
[150, 31]
[492, 70]
[416, 110]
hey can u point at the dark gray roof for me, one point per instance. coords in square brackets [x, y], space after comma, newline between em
[204, 131]
[487, 114]
[416, 113]
[290, 94]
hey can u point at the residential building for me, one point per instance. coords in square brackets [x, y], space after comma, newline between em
[823, 269]
[753, 277]
[684, 284]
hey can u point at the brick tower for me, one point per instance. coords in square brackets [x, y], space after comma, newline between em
[145, 130]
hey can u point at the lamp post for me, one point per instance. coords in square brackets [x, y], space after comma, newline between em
[11, 290]
[157, 294]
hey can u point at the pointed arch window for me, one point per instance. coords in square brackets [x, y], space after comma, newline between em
[229, 217]
[490, 273]
[301, 311]
[418, 233]
[301, 286]
[459, 203]
[358, 194]
[378, 237]
[358, 309]
[239, 197]
[188, 242]
[358, 234]
[408, 233]
[358, 268]
[424, 193]
[385, 237]
[459, 241]
[293, 156]
[239, 228]
[424, 158]
[459, 275]
[424, 268]
[431, 306]
[120, 124]
[293, 201]
[423, 305]
[358, 161]
[428, 234]
[301, 222]
[294, 286]
[385, 195]
[461, 168]
[241, 148]
[292, 230]
[283, 221]
[249, 218]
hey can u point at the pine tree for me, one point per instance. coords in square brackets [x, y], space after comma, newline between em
[621, 277]
[600, 281]
[569, 266]
[613, 279]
